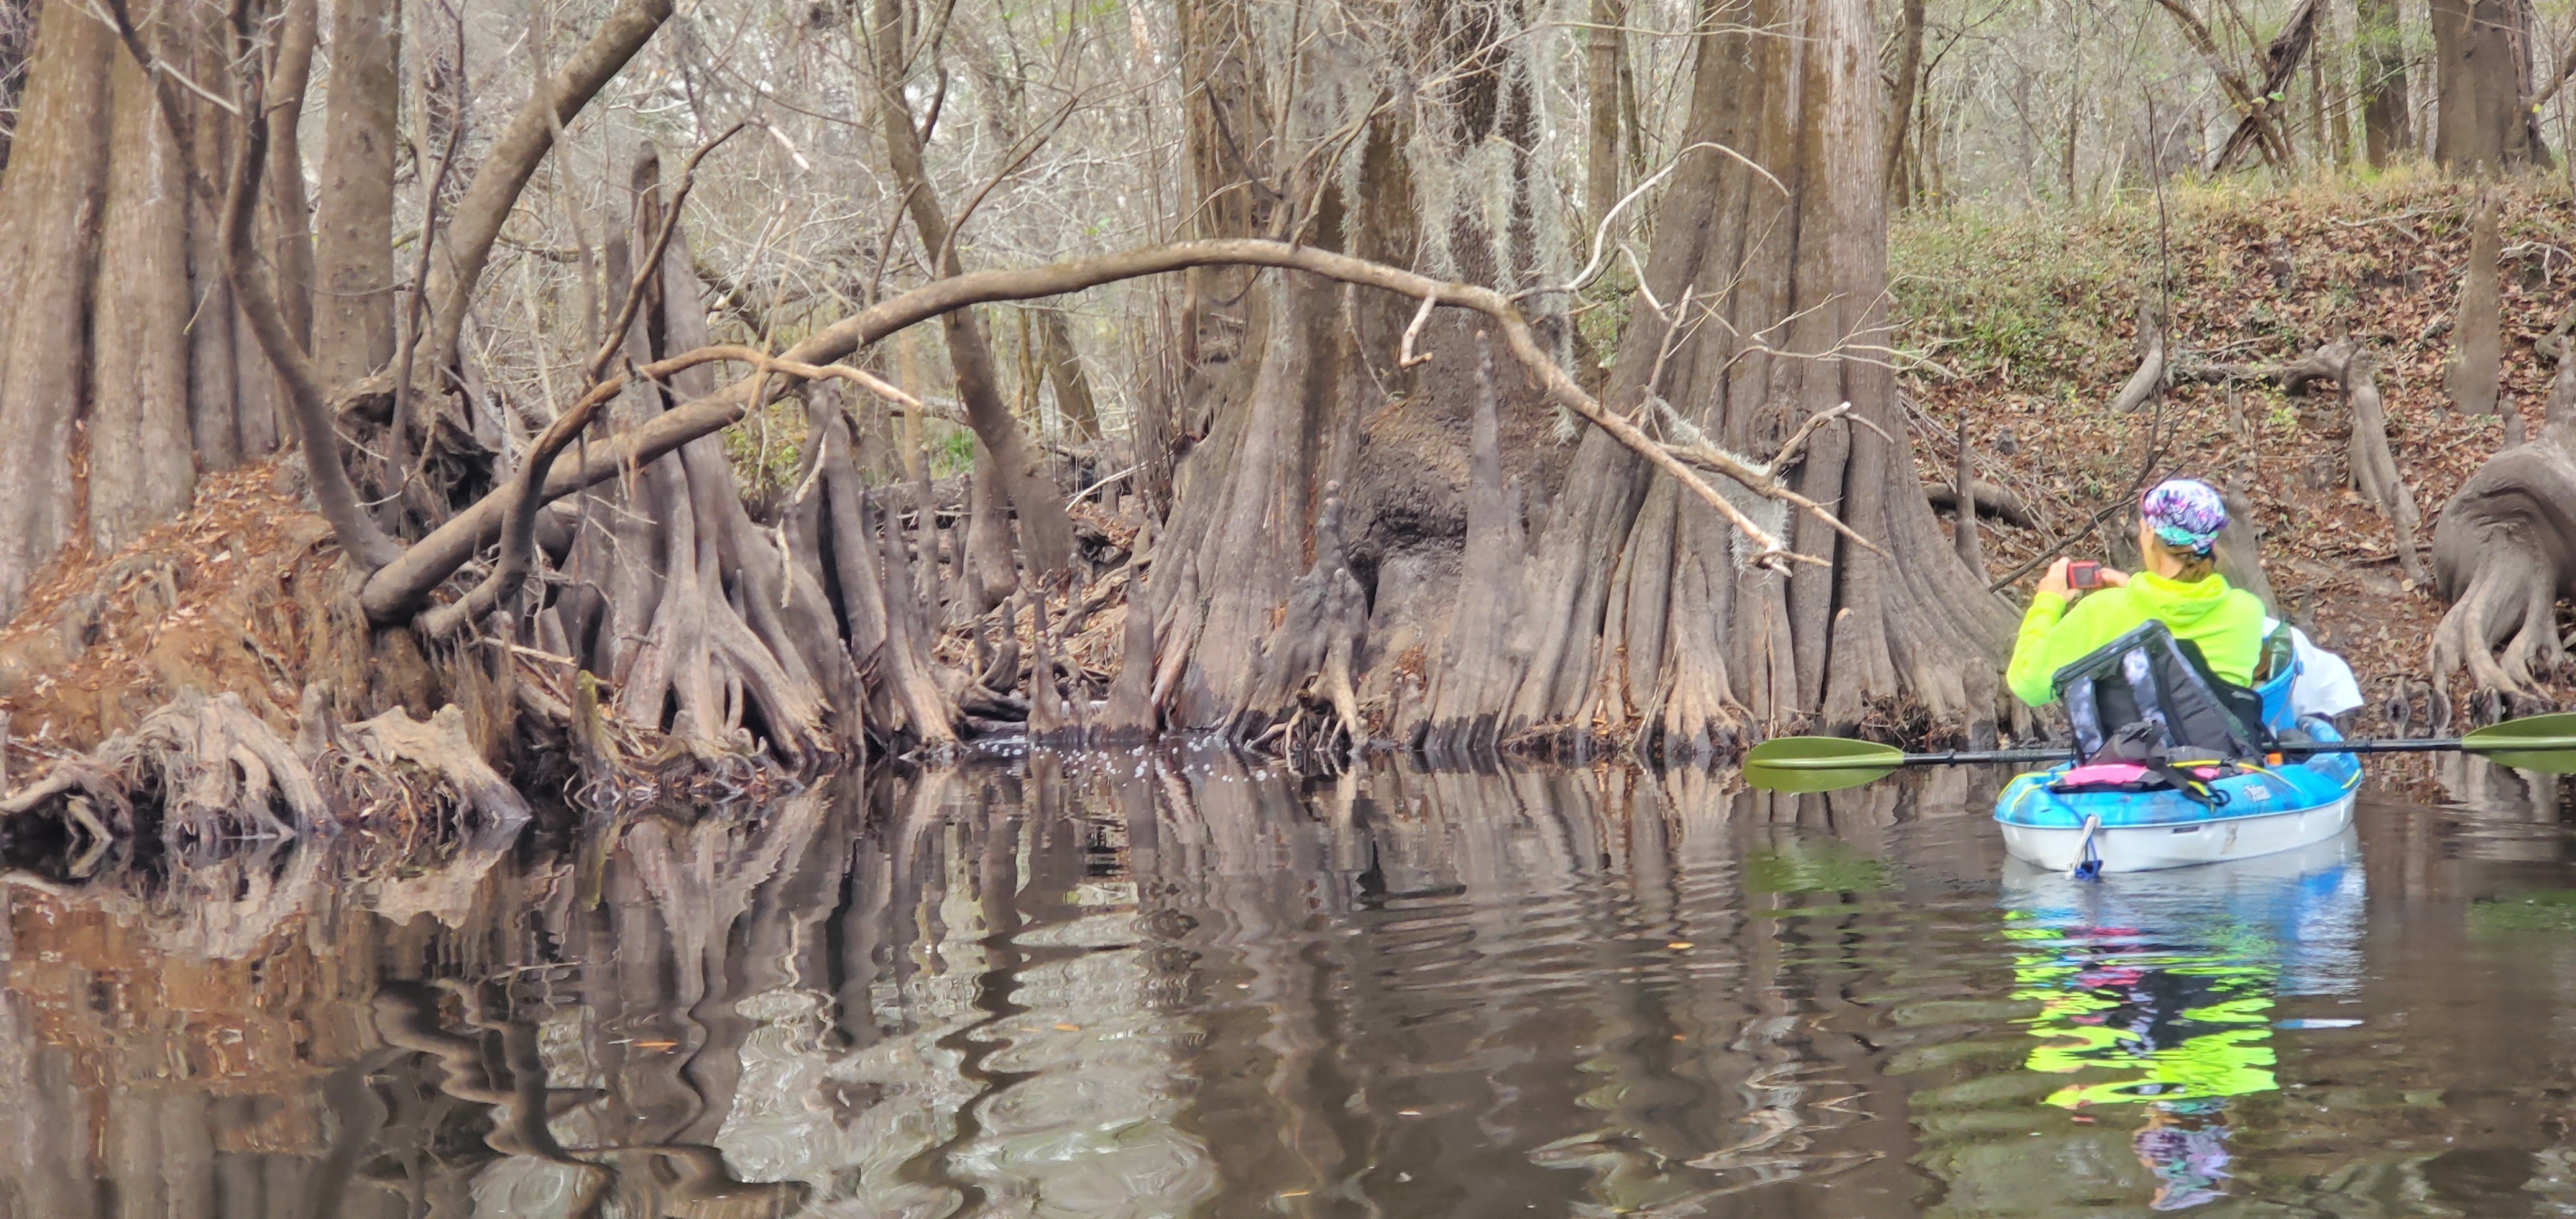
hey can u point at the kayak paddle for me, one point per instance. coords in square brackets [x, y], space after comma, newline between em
[1827, 763]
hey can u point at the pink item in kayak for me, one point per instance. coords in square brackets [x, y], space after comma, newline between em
[2105, 774]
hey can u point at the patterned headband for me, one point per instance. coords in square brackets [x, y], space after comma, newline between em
[2186, 513]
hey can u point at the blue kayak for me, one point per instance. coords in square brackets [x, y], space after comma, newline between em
[2257, 809]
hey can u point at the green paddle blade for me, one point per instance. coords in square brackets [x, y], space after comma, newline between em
[1818, 763]
[2538, 742]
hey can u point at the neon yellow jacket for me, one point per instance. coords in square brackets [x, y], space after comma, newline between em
[2226, 623]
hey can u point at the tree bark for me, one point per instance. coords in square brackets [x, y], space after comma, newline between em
[283, 223]
[2478, 361]
[2385, 125]
[49, 217]
[1637, 620]
[2373, 467]
[737, 638]
[2504, 553]
[2337, 91]
[254, 289]
[353, 328]
[2482, 76]
[1964, 484]
[214, 419]
[289, 215]
[1074, 403]
[140, 472]
[2324, 152]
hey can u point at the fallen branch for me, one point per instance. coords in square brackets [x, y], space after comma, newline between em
[2294, 376]
[397, 590]
[1761, 479]
[1404, 357]
[1989, 499]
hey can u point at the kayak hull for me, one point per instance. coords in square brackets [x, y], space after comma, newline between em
[2150, 848]
[2259, 810]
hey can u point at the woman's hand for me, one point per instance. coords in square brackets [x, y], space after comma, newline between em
[2059, 581]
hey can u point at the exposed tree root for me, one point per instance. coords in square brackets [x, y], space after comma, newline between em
[197, 772]
[204, 775]
[465, 789]
[2503, 554]
[1320, 634]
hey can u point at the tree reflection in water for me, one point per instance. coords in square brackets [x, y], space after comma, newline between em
[1168, 984]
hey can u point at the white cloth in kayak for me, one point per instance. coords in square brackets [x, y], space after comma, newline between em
[2325, 684]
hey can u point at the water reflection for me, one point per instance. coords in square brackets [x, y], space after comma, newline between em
[2159, 990]
[1172, 984]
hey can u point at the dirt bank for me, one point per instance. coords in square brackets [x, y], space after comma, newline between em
[2029, 324]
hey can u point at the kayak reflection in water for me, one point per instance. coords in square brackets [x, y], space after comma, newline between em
[2185, 1144]
[2159, 990]
[2181, 1029]
[2174, 1022]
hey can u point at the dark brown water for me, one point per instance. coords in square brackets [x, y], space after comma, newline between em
[1171, 985]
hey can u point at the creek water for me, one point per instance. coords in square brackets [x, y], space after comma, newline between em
[1177, 984]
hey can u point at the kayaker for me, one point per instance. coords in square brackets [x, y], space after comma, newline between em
[2178, 525]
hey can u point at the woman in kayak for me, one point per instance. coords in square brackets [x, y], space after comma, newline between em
[2178, 524]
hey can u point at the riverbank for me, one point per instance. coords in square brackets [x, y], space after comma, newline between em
[2029, 323]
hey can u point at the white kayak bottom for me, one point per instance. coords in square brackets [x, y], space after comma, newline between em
[2149, 848]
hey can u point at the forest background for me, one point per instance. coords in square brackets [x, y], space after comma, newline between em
[1619, 396]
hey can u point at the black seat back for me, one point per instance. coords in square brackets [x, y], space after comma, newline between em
[2149, 676]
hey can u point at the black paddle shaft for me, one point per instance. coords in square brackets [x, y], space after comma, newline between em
[2445, 744]
[1970, 757]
